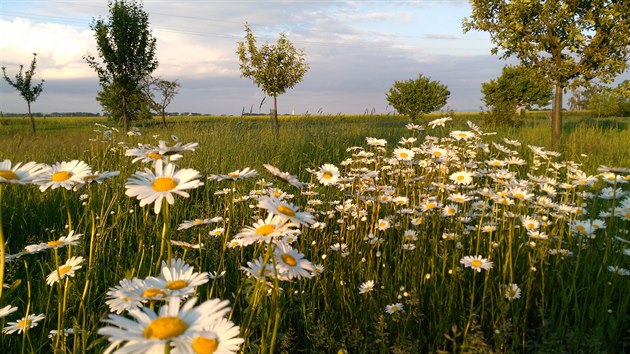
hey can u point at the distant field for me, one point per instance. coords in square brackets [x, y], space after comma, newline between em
[446, 239]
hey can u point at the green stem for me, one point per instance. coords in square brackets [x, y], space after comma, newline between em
[2, 254]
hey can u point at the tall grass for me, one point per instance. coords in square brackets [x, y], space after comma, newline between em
[570, 300]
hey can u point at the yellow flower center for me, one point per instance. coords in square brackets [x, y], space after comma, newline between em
[233, 174]
[289, 259]
[24, 323]
[530, 226]
[327, 175]
[203, 345]
[277, 193]
[404, 155]
[581, 229]
[430, 206]
[519, 196]
[176, 284]
[462, 135]
[8, 174]
[461, 178]
[476, 263]
[153, 292]
[286, 211]
[197, 222]
[55, 243]
[163, 184]
[165, 328]
[265, 229]
[61, 176]
[154, 155]
[382, 224]
[64, 269]
[437, 153]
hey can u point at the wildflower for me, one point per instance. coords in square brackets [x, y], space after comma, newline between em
[266, 230]
[7, 310]
[449, 210]
[394, 308]
[151, 187]
[126, 295]
[366, 287]
[235, 175]
[383, 224]
[412, 126]
[150, 332]
[63, 174]
[403, 154]
[619, 271]
[166, 150]
[476, 262]
[67, 269]
[216, 232]
[24, 324]
[147, 153]
[286, 211]
[439, 122]
[187, 224]
[258, 269]
[220, 337]
[71, 239]
[462, 177]
[512, 292]
[20, 174]
[328, 174]
[99, 177]
[461, 135]
[180, 279]
[291, 263]
[289, 178]
[376, 142]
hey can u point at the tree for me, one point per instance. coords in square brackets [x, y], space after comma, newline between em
[417, 97]
[568, 42]
[578, 100]
[516, 88]
[273, 68]
[136, 103]
[160, 94]
[22, 84]
[127, 49]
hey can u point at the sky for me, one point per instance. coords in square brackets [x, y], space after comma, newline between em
[355, 49]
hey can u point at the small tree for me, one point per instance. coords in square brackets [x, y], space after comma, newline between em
[417, 97]
[160, 94]
[273, 68]
[137, 104]
[515, 89]
[127, 49]
[22, 84]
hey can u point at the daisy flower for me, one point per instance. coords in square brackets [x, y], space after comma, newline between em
[286, 211]
[403, 154]
[394, 308]
[19, 174]
[375, 141]
[65, 270]
[461, 135]
[366, 287]
[476, 262]
[7, 310]
[63, 174]
[24, 324]
[258, 269]
[149, 332]
[235, 175]
[166, 150]
[221, 337]
[461, 177]
[126, 295]
[187, 224]
[71, 239]
[216, 232]
[180, 279]
[151, 187]
[439, 122]
[328, 174]
[99, 177]
[263, 230]
[291, 263]
[512, 292]
[289, 178]
[147, 153]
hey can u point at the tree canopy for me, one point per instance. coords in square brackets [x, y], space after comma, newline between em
[417, 97]
[127, 49]
[274, 68]
[22, 84]
[568, 43]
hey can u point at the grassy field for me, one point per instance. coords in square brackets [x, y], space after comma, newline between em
[445, 239]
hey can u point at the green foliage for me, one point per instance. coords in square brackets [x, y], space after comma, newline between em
[273, 68]
[136, 103]
[606, 101]
[567, 42]
[517, 88]
[417, 97]
[22, 84]
[160, 93]
[127, 48]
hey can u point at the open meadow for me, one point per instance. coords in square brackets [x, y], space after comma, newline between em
[363, 234]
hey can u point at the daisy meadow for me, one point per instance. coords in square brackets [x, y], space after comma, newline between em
[19, 173]
[151, 187]
[476, 262]
[63, 174]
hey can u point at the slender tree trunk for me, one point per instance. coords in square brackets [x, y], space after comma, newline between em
[556, 117]
[124, 112]
[28, 104]
[276, 126]
[163, 117]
